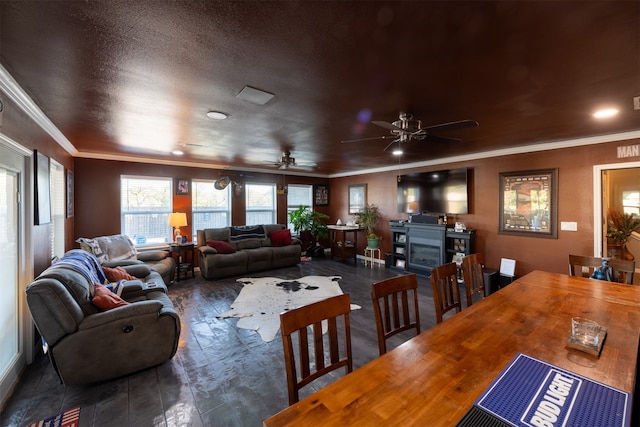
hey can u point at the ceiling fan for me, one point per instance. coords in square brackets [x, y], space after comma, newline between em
[287, 162]
[407, 129]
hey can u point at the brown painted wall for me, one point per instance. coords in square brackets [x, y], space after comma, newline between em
[21, 129]
[98, 192]
[98, 206]
[575, 203]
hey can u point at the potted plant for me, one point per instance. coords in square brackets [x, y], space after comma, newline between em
[308, 224]
[619, 227]
[368, 218]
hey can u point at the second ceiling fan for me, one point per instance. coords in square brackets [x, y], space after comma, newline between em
[288, 162]
[406, 129]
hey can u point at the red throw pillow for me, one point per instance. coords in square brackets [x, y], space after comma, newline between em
[117, 273]
[280, 237]
[105, 300]
[221, 246]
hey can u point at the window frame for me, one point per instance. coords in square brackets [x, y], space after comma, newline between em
[274, 197]
[195, 185]
[143, 241]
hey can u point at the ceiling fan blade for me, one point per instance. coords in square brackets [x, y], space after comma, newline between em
[391, 144]
[461, 124]
[443, 139]
[369, 139]
[389, 126]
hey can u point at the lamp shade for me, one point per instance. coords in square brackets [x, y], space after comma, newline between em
[177, 219]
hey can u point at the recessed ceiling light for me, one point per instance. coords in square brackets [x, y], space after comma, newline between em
[217, 115]
[605, 113]
[178, 152]
[396, 152]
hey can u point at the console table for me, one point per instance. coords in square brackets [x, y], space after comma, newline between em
[342, 245]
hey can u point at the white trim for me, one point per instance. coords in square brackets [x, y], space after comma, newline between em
[13, 90]
[597, 201]
[12, 145]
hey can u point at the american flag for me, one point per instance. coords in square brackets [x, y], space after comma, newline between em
[66, 419]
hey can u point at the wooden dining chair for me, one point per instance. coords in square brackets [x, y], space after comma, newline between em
[311, 362]
[473, 275]
[446, 294]
[622, 270]
[583, 266]
[395, 306]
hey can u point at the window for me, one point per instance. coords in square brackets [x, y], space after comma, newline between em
[298, 195]
[145, 208]
[57, 190]
[631, 202]
[211, 207]
[261, 203]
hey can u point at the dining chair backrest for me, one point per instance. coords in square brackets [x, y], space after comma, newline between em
[311, 362]
[395, 306]
[446, 294]
[623, 270]
[583, 266]
[473, 275]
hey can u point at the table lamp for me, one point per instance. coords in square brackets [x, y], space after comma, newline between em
[177, 220]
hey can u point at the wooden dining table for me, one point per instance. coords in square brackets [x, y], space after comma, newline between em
[434, 378]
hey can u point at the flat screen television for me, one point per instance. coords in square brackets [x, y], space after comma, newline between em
[441, 192]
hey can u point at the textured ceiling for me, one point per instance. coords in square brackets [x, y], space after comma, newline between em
[136, 78]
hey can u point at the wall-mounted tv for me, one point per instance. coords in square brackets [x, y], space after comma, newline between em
[441, 192]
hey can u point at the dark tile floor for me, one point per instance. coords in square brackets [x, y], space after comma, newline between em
[220, 376]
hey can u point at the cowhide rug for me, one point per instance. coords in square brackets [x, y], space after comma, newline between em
[261, 300]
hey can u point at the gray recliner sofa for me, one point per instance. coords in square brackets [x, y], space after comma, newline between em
[118, 250]
[252, 248]
[87, 344]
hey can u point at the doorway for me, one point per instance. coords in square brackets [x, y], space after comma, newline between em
[16, 330]
[616, 186]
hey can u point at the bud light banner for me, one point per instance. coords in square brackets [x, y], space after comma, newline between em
[533, 393]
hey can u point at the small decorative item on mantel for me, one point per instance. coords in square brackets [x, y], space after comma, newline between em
[619, 227]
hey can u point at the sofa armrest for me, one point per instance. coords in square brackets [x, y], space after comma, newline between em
[207, 250]
[138, 270]
[146, 256]
[122, 263]
[125, 312]
[136, 288]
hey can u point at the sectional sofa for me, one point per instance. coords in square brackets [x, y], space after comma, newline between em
[236, 250]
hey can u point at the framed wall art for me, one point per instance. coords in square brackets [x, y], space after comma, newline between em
[42, 208]
[321, 195]
[357, 198]
[528, 203]
[183, 187]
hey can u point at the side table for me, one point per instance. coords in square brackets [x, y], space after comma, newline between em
[370, 254]
[184, 258]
